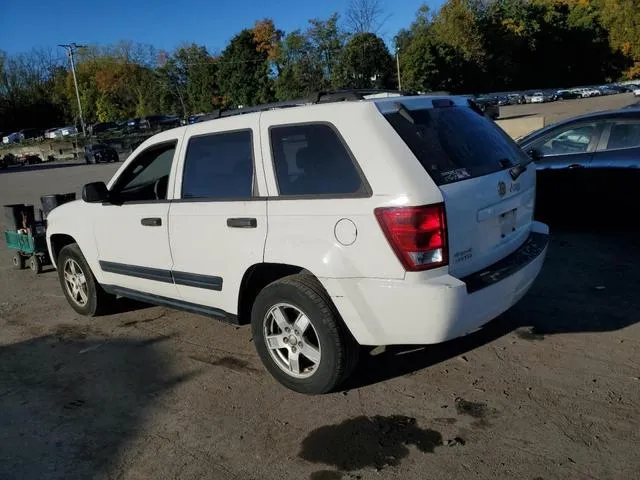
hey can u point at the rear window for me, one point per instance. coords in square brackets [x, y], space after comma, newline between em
[455, 143]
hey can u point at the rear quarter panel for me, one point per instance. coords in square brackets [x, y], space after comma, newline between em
[302, 231]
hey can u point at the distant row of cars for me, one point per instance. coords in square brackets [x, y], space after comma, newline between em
[552, 95]
[138, 124]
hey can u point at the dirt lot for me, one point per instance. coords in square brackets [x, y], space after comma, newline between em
[550, 390]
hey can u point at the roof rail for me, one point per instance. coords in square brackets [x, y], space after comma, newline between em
[314, 98]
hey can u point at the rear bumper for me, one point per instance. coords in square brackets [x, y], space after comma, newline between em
[387, 312]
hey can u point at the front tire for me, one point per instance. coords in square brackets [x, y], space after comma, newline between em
[300, 337]
[83, 292]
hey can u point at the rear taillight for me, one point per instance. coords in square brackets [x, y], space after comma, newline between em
[418, 235]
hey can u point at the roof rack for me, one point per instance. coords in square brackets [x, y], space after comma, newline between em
[315, 98]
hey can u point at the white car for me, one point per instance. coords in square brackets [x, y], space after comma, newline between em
[69, 131]
[53, 133]
[636, 92]
[326, 224]
[537, 97]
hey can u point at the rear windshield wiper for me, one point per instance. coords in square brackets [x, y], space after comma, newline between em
[520, 168]
[404, 112]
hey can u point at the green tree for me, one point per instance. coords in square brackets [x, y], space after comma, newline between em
[364, 62]
[301, 70]
[243, 72]
[327, 41]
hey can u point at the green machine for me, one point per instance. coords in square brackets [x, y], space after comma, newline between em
[26, 236]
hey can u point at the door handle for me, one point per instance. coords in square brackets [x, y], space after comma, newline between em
[151, 222]
[576, 165]
[242, 222]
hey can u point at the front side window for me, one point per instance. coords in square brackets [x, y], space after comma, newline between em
[624, 135]
[219, 166]
[572, 140]
[147, 177]
[311, 159]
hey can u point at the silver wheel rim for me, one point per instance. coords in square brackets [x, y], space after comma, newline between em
[75, 282]
[292, 340]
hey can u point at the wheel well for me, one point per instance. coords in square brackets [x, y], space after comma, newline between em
[255, 279]
[58, 242]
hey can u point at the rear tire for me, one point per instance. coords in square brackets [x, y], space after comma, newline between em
[300, 304]
[35, 264]
[18, 261]
[83, 292]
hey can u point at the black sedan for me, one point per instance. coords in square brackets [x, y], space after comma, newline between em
[100, 152]
[588, 164]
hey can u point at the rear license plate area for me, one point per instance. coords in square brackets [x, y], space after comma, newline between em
[507, 222]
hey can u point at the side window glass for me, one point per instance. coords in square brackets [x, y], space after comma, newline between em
[311, 159]
[219, 166]
[572, 140]
[147, 177]
[624, 135]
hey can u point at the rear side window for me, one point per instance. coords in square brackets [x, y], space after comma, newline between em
[219, 166]
[624, 135]
[311, 159]
[455, 143]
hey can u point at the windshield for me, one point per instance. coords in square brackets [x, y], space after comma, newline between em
[455, 143]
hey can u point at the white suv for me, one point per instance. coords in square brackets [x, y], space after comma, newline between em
[326, 224]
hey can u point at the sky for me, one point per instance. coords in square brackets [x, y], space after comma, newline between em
[168, 23]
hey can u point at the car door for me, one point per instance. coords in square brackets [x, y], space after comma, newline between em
[218, 222]
[131, 231]
[563, 171]
[616, 163]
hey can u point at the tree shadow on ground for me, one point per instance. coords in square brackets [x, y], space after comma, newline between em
[69, 404]
[590, 283]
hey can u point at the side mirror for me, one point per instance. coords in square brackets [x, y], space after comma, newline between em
[95, 192]
[535, 155]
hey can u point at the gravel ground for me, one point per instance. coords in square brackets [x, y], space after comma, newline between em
[550, 390]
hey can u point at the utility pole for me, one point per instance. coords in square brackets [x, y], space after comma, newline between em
[398, 67]
[71, 48]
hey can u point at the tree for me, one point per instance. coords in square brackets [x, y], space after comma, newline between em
[364, 62]
[327, 41]
[243, 72]
[365, 16]
[301, 71]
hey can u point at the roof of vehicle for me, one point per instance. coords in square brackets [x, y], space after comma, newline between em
[622, 112]
[340, 97]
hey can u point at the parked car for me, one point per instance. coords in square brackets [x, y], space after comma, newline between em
[69, 131]
[430, 188]
[53, 133]
[636, 92]
[103, 127]
[537, 97]
[516, 98]
[14, 137]
[194, 118]
[31, 133]
[567, 95]
[100, 152]
[589, 162]
[158, 122]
